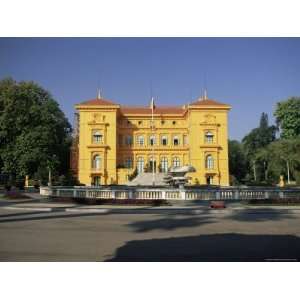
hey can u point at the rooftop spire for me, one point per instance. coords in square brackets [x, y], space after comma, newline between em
[99, 94]
[205, 94]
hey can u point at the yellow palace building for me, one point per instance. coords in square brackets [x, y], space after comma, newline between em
[115, 141]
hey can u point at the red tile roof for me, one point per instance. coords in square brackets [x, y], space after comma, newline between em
[157, 110]
[208, 102]
[98, 102]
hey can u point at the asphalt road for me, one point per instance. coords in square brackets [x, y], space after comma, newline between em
[154, 236]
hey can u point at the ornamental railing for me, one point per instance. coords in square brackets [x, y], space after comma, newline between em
[190, 194]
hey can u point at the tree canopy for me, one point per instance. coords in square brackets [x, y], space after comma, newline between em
[287, 115]
[34, 132]
[259, 137]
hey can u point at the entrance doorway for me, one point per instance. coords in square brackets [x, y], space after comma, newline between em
[96, 180]
[209, 180]
[152, 165]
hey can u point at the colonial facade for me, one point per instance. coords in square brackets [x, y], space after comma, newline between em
[115, 141]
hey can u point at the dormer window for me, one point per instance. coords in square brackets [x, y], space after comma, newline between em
[209, 137]
[97, 137]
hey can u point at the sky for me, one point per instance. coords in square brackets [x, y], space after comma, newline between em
[250, 74]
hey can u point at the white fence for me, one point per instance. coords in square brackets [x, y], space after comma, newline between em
[169, 194]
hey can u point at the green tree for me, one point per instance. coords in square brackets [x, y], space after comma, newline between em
[258, 138]
[237, 160]
[282, 158]
[287, 115]
[34, 132]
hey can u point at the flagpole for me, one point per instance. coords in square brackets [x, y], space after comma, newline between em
[152, 119]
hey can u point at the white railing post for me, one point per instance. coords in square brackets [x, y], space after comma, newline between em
[130, 194]
[266, 195]
[74, 193]
[113, 194]
[218, 195]
[182, 195]
[236, 195]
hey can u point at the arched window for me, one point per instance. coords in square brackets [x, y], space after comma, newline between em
[175, 140]
[164, 164]
[209, 137]
[209, 162]
[176, 162]
[97, 137]
[96, 162]
[152, 140]
[140, 164]
[164, 140]
[140, 140]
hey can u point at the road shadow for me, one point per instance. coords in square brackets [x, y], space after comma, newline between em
[214, 247]
[170, 222]
[259, 215]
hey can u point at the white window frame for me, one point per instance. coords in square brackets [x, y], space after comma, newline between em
[209, 162]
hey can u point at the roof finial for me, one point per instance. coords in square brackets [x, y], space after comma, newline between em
[98, 94]
[205, 94]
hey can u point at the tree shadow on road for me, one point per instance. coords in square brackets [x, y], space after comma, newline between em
[214, 247]
[260, 215]
[171, 222]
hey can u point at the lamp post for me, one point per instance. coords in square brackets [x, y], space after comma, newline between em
[51, 164]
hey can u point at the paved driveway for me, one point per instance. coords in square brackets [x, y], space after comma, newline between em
[153, 236]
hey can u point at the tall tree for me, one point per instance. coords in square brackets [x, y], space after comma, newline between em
[258, 138]
[34, 132]
[287, 115]
[237, 160]
[282, 157]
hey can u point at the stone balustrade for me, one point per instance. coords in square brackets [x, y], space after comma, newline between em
[190, 194]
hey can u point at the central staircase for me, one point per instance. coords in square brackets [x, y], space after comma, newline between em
[145, 179]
